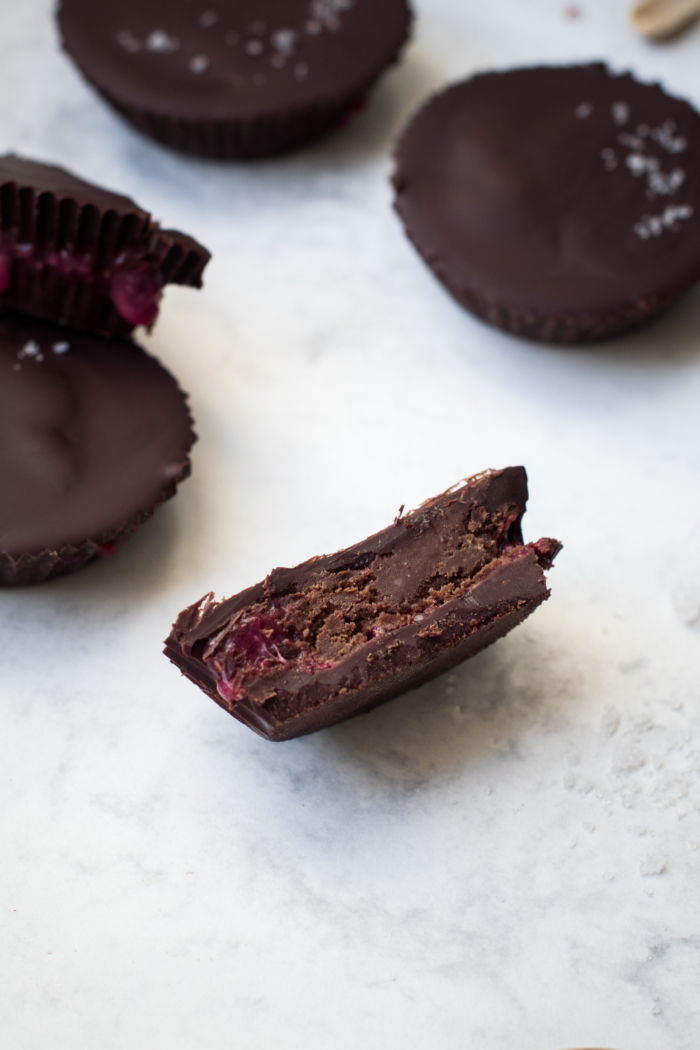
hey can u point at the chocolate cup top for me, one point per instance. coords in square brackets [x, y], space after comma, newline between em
[93, 434]
[233, 59]
[559, 190]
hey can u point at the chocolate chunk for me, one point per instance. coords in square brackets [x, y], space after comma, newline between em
[94, 436]
[560, 204]
[340, 634]
[244, 78]
[80, 256]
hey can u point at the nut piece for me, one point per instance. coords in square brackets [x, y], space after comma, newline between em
[662, 18]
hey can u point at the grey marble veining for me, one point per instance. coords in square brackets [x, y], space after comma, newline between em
[505, 859]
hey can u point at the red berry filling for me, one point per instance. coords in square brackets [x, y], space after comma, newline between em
[133, 278]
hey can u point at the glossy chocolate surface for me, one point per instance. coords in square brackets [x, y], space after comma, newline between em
[232, 58]
[337, 635]
[93, 434]
[561, 190]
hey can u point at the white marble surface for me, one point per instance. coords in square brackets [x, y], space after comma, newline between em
[506, 859]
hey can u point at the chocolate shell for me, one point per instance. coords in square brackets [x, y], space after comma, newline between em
[83, 257]
[94, 437]
[560, 204]
[340, 634]
[243, 78]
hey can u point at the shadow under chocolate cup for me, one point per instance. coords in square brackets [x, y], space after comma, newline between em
[94, 436]
[82, 256]
[239, 79]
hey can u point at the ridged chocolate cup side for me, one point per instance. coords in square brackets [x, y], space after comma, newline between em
[247, 139]
[29, 569]
[558, 328]
[63, 244]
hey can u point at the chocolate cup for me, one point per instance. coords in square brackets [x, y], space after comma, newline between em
[247, 79]
[416, 599]
[94, 436]
[560, 204]
[65, 244]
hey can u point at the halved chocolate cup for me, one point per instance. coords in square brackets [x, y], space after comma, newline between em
[335, 636]
[84, 257]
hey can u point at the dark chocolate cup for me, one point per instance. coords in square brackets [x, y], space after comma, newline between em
[247, 79]
[64, 238]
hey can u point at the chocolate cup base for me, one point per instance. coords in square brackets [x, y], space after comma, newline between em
[28, 569]
[436, 587]
[246, 139]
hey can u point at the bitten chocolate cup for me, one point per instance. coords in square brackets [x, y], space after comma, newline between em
[94, 437]
[338, 635]
[84, 257]
[234, 78]
[559, 204]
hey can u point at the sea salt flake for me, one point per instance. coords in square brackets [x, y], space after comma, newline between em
[620, 112]
[127, 40]
[283, 40]
[653, 864]
[639, 164]
[61, 347]
[198, 64]
[666, 138]
[583, 110]
[631, 141]
[207, 19]
[254, 48]
[30, 349]
[665, 185]
[637, 829]
[301, 71]
[670, 219]
[162, 42]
